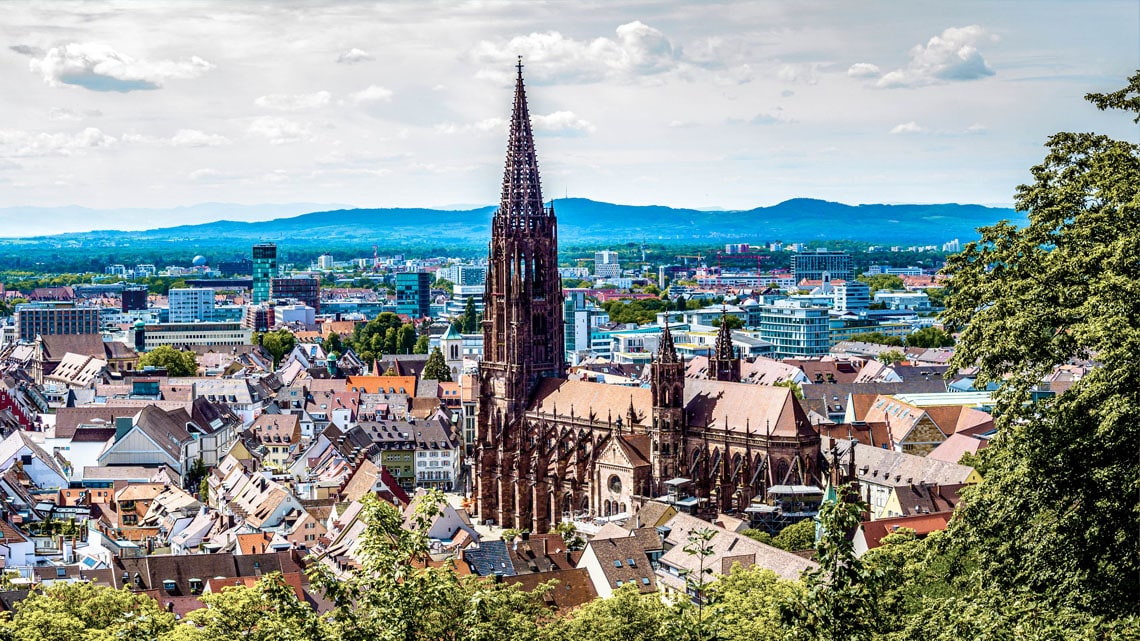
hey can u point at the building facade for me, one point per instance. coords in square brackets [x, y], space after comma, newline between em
[413, 294]
[264, 270]
[304, 289]
[191, 304]
[51, 318]
[796, 329]
[548, 448]
[812, 265]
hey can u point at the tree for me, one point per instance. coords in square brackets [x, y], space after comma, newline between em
[267, 611]
[699, 545]
[882, 281]
[1056, 517]
[746, 604]
[445, 285]
[797, 391]
[628, 615]
[436, 368]
[333, 343]
[878, 338]
[734, 322]
[177, 363]
[422, 345]
[839, 598]
[929, 337]
[797, 536]
[69, 611]
[278, 343]
[570, 535]
[891, 357]
[470, 317]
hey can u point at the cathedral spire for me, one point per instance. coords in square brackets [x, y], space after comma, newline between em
[522, 193]
[667, 353]
[724, 365]
[724, 350]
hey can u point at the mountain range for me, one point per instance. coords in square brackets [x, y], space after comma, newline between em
[581, 221]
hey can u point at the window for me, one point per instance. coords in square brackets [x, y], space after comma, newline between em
[618, 583]
[617, 563]
[631, 563]
[645, 580]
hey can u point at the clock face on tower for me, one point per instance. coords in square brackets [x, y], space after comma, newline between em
[615, 484]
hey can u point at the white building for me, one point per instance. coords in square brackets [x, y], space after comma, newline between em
[191, 305]
[606, 264]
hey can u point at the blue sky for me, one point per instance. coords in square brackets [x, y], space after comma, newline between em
[713, 104]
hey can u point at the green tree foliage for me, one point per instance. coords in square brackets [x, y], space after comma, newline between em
[569, 533]
[333, 343]
[929, 337]
[747, 604]
[891, 356]
[393, 596]
[436, 367]
[279, 343]
[797, 536]
[71, 611]
[176, 362]
[634, 311]
[840, 597]
[877, 338]
[1057, 517]
[628, 615]
[422, 345]
[267, 611]
[445, 285]
[792, 385]
[468, 322]
[882, 282]
[734, 322]
[385, 334]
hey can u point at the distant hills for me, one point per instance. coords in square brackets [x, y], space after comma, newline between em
[581, 221]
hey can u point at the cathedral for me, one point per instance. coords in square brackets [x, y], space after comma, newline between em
[549, 448]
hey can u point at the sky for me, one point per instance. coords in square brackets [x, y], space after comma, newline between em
[119, 105]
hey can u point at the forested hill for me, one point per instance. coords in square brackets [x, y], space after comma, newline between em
[580, 221]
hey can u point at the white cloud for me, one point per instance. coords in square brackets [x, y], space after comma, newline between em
[279, 131]
[373, 93]
[483, 126]
[23, 143]
[950, 57]
[294, 102]
[565, 123]
[353, 56]
[863, 70]
[804, 72]
[98, 67]
[65, 114]
[195, 138]
[911, 127]
[638, 50]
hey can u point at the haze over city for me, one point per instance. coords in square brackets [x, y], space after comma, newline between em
[118, 105]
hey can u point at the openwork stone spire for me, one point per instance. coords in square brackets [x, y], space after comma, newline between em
[724, 365]
[667, 352]
[522, 191]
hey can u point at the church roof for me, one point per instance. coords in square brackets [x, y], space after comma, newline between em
[755, 408]
[451, 334]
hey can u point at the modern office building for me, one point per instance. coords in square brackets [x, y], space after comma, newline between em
[606, 264]
[812, 265]
[134, 299]
[180, 334]
[191, 304]
[464, 274]
[413, 294]
[259, 318]
[264, 270]
[303, 289]
[852, 295]
[48, 318]
[796, 329]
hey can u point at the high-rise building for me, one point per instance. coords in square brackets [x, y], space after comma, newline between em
[49, 318]
[191, 304]
[606, 264]
[305, 289]
[812, 265]
[796, 329]
[413, 294]
[264, 270]
[134, 299]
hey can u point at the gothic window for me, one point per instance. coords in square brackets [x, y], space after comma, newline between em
[615, 484]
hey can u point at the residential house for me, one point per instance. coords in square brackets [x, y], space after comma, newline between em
[280, 435]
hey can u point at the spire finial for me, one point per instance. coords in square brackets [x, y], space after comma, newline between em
[520, 66]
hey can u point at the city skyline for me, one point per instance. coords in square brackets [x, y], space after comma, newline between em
[729, 105]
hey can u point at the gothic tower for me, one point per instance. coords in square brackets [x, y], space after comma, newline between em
[724, 365]
[667, 433]
[522, 331]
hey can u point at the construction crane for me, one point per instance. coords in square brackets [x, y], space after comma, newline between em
[697, 256]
